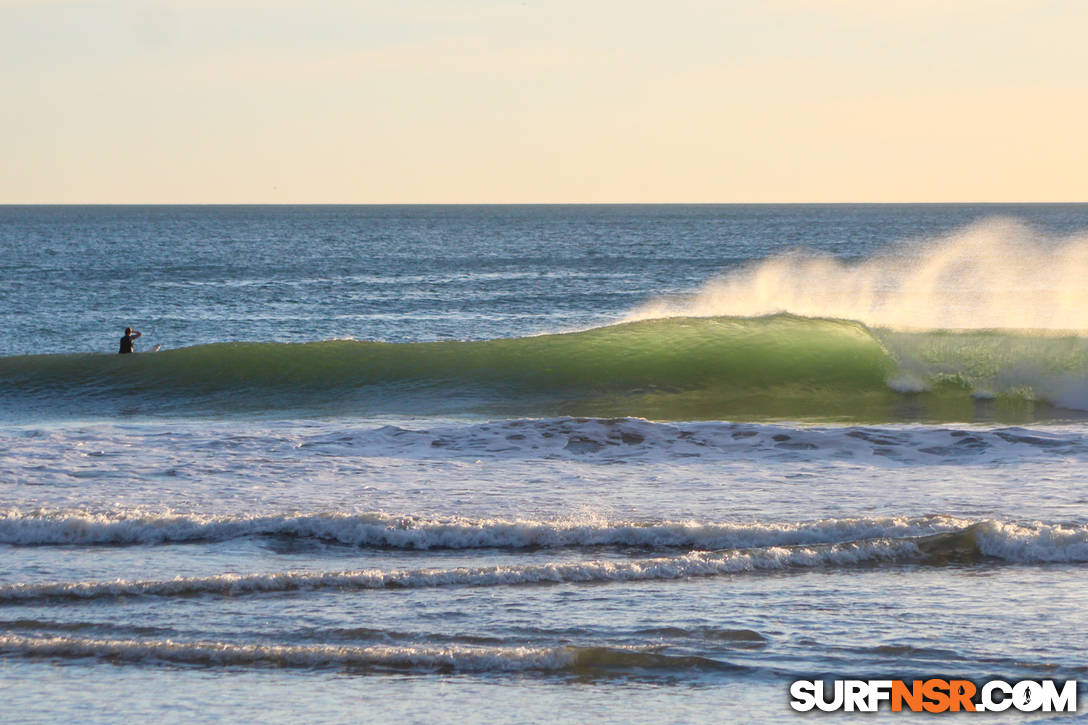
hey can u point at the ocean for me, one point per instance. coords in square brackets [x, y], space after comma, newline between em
[630, 463]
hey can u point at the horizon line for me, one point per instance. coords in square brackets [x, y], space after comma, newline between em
[536, 203]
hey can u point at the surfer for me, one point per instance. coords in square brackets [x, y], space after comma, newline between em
[127, 342]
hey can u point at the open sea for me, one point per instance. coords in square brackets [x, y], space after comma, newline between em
[489, 464]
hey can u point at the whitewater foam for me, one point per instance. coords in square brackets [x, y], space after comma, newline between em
[1032, 543]
[45, 527]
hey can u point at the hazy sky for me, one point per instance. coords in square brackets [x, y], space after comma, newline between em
[543, 101]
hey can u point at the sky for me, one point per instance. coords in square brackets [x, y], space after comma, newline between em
[560, 101]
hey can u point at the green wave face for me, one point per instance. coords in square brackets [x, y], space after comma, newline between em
[775, 367]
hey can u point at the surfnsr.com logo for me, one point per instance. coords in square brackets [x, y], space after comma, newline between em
[934, 695]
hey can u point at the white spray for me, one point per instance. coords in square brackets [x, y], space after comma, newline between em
[994, 274]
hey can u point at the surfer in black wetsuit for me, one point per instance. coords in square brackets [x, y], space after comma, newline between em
[128, 341]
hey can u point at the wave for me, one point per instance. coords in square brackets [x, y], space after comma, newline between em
[687, 565]
[1009, 542]
[759, 368]
[563, 659]
[660, 363]
[45, 527]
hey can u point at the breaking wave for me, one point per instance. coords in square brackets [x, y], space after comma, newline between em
[43, 527]
[1009, 542]
[990, 322]
[759, 368]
